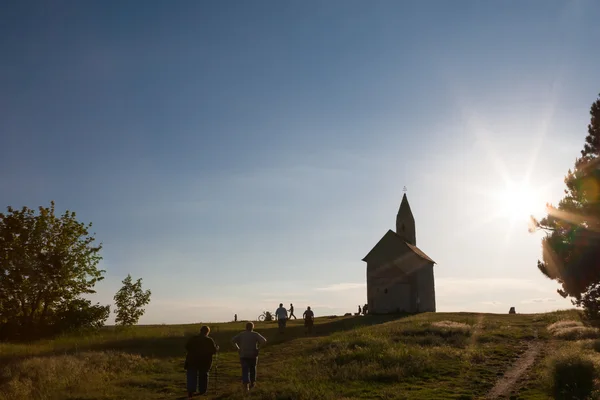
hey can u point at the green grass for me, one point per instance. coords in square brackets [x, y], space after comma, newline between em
[426, 356]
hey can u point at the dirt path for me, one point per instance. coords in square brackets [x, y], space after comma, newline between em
[477, 328]
[508, 382]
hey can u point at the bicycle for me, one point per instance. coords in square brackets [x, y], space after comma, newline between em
[265, 316]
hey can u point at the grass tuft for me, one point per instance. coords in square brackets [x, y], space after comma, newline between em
[572, 330]
[571, 375]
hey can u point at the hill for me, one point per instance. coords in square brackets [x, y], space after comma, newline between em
[425, 356]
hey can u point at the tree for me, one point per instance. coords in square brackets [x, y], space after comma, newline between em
[129, 302]
[81, 314]
[47, 263]
[571, 247]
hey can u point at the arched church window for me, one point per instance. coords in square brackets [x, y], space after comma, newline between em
[403, 228]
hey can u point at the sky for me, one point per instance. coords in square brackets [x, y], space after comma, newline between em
[237, 155]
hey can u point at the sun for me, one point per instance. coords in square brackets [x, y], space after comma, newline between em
[517, 202]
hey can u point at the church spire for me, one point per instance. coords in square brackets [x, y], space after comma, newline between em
[405, 222]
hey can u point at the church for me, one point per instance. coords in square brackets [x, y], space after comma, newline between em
[399, 274]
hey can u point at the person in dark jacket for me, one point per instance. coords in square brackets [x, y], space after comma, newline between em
[198, 361]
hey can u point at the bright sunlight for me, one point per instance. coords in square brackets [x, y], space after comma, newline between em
[518, 201]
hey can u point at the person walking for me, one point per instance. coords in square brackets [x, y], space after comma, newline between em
[198, 361]
[309, 319]
[281, 315]
[292, 311]
[247, 343]
[359, 310]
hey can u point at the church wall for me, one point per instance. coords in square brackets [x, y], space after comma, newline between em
[388, 293]
[426, 289]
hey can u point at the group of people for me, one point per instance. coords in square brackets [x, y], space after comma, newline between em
[364, 309]
[201, 348]
[281, 315]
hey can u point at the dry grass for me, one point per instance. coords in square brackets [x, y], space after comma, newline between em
[452, 325]
[572, 330]
[570, 373]
[45, 377]
[426, 356]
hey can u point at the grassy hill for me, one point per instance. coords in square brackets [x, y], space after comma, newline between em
[426, 356]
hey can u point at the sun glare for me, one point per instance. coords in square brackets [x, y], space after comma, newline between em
[517, 202]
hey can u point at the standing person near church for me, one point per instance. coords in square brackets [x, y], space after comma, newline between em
[292, 311]
[247, 344]
[281, 315]
[359, 310]
[309, 319]
[198, 361]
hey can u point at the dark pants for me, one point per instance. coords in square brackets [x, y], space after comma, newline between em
[197, 379]
[281, 322]
[308, 323]
[248, 369]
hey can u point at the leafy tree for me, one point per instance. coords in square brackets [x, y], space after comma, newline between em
[129, 302]
[571, 248]
[81, 314]
[47, 262]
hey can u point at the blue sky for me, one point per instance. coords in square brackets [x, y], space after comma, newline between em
[236, 155]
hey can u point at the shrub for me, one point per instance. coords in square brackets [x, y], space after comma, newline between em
[571, 375]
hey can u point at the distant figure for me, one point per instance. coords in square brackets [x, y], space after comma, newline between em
[198, 361]
[247, 343]
[235, 318]
[359, 310]
[268, 316]
[309, 319]
[512, 311]
[281, 315]
[292, 311]
[365, 309]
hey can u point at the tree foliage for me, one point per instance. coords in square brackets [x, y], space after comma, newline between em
[571, 248]
[129, 302]
[47, 263]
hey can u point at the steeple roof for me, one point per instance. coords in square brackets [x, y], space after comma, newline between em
[404, 206]
[405, 222]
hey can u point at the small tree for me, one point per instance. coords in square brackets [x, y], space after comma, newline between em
[47, 262]
[571, 248]
[129, 302]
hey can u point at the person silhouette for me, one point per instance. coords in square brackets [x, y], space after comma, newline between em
[309, 319]
[198, 361]
[292, 311]
[282, 316]
[247, 343]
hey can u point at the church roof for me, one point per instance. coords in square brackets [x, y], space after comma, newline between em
[419, 252]
[401, 242]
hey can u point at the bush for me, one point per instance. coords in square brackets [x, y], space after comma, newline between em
[571, 375]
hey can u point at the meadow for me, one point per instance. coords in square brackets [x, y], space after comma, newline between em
[425, 356]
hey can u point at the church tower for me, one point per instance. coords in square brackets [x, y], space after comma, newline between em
[405, 222]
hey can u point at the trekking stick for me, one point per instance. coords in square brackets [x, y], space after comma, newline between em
[217, 372]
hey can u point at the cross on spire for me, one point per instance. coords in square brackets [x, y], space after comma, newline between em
[404, 189]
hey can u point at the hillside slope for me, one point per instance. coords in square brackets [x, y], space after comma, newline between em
[426, 356]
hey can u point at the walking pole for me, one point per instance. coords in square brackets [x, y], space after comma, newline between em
[217, 372]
